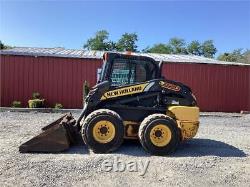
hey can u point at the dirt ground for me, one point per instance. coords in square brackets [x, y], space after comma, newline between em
[219, 155]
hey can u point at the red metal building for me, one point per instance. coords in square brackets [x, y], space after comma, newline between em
[58, 74]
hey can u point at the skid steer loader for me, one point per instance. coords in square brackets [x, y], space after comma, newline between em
[131, 100]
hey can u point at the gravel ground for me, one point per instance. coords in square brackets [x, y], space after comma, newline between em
[219, 155]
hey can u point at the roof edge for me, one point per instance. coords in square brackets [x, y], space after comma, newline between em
[80, 53]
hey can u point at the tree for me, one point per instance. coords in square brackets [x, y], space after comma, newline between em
[235, 56]
[127, 42]
[174, 46]
[208, 49]
[111, 46]
[99, 42]
[159, 48]
[3, 46]
[194, 48]
[178, 45]
[246, 55]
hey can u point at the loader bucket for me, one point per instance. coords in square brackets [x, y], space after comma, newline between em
[56, 137]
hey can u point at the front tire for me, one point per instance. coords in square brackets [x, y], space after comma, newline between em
[159, 134]
[103, 131]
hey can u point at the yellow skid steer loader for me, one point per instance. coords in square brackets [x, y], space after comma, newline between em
[132, 100]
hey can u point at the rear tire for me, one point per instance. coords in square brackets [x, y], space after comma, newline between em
[103, 131]
[159, 134]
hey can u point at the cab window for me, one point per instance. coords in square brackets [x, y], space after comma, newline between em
[131, 71]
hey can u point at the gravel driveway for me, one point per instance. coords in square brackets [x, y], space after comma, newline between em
[219, 155]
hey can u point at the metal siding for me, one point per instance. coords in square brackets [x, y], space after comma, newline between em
[2, 81]
[217, 88]
[60, 80]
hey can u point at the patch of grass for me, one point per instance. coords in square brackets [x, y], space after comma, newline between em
[36, 103]
[58, 106]
[16, 104]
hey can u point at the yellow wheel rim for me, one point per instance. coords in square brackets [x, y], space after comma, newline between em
[104, 131]
[160, 135]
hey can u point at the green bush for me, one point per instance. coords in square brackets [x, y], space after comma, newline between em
[16, 104]
[58, 106]
[36, 103]
[36, 95]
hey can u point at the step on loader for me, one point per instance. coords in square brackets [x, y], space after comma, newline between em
[132, 100]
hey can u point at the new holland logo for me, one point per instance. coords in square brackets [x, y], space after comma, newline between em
[124, 91]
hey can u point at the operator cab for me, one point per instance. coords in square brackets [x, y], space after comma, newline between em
[123, 69]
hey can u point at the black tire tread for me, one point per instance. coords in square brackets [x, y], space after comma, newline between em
[147, 121]
[91, 116]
